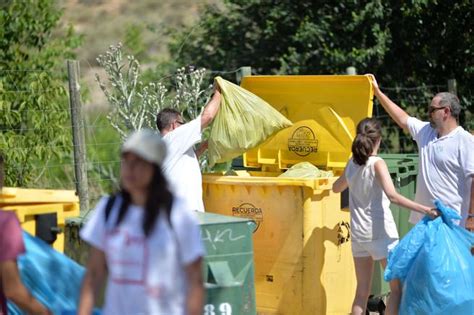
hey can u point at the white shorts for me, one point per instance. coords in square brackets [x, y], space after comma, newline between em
[377, 249]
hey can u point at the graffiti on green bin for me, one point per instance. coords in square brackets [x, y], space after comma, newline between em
[220, 236]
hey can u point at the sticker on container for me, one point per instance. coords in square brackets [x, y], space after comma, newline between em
[249, 211]
[303, 141]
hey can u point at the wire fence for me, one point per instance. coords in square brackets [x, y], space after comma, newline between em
[102, 141]
[415, 101]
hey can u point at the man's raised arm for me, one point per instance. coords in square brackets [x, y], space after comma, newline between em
[395, 112]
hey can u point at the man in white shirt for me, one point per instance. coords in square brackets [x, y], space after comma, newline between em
[446, 153]
[181, 165]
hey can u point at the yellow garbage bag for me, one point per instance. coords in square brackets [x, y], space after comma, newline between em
[306, 170]
[242, 123]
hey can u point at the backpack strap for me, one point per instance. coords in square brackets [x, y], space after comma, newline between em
[109, 205]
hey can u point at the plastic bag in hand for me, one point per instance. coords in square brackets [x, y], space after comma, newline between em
[51, 277]
[435, 265]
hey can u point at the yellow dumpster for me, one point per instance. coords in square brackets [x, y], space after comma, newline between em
[41, 212]
[303, 260]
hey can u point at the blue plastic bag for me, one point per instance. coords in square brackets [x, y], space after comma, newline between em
[53, 278]
[435, 265]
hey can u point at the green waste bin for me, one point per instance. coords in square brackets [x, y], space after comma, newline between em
[403, 169]
[228, 267]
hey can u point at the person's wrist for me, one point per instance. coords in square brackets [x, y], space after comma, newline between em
[431, 212]
[377, 90]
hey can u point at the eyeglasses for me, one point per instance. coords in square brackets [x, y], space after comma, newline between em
[432, 109]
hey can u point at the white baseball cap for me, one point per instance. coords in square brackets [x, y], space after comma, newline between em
[147, 144]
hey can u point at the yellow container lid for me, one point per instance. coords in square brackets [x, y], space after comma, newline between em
[15, 196]
[325, 110]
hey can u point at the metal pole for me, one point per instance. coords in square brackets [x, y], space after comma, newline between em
[77, 122]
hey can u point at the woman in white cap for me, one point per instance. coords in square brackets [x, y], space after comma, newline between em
[144, 241]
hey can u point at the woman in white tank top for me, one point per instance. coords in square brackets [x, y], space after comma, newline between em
[373, 229]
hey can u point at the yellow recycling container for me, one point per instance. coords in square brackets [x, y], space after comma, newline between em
[303, 259]
[41, 212]
[325, 111]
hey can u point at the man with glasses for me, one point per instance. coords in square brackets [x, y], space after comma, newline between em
[446, 153]
[181, 165]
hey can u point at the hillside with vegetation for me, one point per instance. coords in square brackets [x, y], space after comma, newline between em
[144, 27]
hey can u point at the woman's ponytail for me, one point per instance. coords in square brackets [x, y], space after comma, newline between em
[368, 133]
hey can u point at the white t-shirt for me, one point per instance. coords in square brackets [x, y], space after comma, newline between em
[371, 217]
[181, 166]
[446, 164]
[146, 275]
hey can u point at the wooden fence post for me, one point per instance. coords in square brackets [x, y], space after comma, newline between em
[453, 86]
[243, 72]
[351, 70]
[77, 122]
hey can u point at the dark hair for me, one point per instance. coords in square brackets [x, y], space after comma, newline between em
[166, 117]
[368, 133]
[159, 201]
[1, 170]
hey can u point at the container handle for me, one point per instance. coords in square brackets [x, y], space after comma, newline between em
[341, 236]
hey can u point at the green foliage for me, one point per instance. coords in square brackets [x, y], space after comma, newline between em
[292, 37]
[408, 43]
[432, 41]
[134, 41]
[34, 111]
[404, 42]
